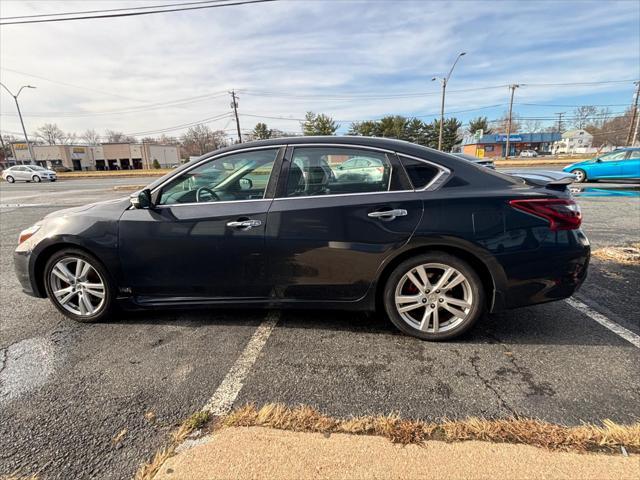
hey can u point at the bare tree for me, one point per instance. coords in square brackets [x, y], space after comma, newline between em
[50, 134]
[118, 137]
[90, 137]
[532, 126]
[201, 139]
[583, 116]
[500, 125]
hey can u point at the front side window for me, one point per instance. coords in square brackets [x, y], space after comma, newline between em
[331, 171]
[613, 156]
[239, 176]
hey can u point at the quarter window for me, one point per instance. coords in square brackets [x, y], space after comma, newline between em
[330, 171]
[420, 173]
[240, 176]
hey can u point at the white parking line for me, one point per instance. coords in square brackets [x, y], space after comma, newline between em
[227, 392]
[619, 330]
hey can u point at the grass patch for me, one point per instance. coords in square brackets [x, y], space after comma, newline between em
[606, 438]
[194, 422]
[626, 255]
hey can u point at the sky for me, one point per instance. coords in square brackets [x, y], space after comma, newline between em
[353, 60]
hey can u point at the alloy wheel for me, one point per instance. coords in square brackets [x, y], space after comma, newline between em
[433, 298]
[77, 286]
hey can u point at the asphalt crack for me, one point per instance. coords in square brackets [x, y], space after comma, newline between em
[487, 383]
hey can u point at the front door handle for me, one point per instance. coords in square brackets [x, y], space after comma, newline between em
[245, 224]
[388, 214]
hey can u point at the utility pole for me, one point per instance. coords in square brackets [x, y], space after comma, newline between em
[560, 114]
[234, 105]
[635, 133]
[444, 81]
[24, 130]
[513, 91]
[634, 114]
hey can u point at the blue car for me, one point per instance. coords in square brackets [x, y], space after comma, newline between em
[617, 165]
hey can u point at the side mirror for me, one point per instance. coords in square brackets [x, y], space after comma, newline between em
[141, 199]
[598, 160]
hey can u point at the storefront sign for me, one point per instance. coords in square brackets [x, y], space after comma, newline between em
[512, 138]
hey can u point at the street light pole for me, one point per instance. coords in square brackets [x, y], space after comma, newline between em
[24, 130]
[444, 81]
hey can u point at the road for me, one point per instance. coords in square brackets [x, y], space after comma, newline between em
[68, 391]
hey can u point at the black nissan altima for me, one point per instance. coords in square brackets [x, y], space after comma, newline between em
[317, 222]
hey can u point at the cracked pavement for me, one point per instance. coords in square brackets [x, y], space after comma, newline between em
[68, 391]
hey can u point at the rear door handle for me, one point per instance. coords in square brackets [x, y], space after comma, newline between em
[246, 224]
[388, 214]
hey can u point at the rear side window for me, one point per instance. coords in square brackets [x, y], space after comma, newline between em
[420, 173]
[634, 154]
[335, 170]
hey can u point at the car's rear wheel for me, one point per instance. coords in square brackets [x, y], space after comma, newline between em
[434, 296]
[79, 286]
[10, 179]
[581, 175]
[36, 178]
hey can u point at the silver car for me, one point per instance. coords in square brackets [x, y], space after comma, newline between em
[28, 173]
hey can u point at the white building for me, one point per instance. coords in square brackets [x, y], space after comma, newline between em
[574, 141]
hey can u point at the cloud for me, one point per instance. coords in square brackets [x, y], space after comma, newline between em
[309, 48]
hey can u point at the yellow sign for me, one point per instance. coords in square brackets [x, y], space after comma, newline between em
[78, 150]
[20, 146]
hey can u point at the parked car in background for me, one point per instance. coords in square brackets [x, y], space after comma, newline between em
[484, 162]
[28, 173]
[359, 169]
[528, 153]
[621, 164]
[435, 241]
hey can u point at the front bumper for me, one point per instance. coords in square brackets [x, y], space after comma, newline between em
[23, 269]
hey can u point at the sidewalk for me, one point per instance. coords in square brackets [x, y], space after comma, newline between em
[264, 453]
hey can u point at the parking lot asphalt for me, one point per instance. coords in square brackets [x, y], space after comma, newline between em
[94, 401]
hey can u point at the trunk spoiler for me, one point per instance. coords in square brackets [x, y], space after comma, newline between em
[544, 178]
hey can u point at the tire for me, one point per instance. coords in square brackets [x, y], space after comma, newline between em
[36, 179]
[10, 179]
[581, 175]
[428, 299]
[74, 308]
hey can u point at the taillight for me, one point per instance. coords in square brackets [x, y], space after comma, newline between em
[562, 214]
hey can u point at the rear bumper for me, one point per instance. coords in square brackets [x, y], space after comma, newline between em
[546, 274]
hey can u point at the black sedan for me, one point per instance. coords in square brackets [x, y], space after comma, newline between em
[432, 239]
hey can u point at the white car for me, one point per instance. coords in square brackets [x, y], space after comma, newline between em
[28, 173]
[528, 153]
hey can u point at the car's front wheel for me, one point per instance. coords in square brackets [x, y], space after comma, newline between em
[434, 296]
[78, 285]
[581, 175]
[36, 178]
[10, 179]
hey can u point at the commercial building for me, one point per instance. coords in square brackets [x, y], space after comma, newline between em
[495, 145]
[107, 156]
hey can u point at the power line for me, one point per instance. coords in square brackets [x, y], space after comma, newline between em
[109, 10]
[133, 14]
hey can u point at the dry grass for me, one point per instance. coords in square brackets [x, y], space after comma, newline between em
[606, 438]
[626, 255]
[15, 476]
[194, 422]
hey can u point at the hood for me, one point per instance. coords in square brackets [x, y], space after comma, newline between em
[108, 208]
[568, 168]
